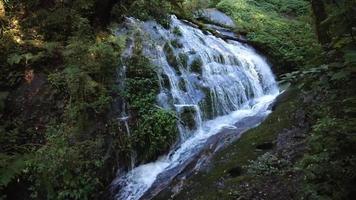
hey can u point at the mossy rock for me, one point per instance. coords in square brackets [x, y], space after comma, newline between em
[196, 65]
[182, 85]
[206, 104]
[171, 57]
[183, 58]
[177, 31]
[176, 44]
[165, 82]
[187, 115]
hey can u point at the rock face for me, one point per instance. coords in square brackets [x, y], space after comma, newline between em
[225, 33]
[214, 16]
[219, 24]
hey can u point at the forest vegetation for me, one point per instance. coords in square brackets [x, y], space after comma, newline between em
[59, 137]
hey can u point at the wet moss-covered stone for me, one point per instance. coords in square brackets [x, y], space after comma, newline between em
[170, 56]
[206, 104]
[187, 116]
[181, 85]
[176, 44]
[165, 82]
[177, 31]
[196, 65]
[183, 58]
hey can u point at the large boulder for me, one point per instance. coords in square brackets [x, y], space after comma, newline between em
[217, 17]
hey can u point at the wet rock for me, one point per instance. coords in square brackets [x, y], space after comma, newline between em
[176, 44]
[181, 85]
[215, 16]
[196, 65]
[187, 115]
[176, 31]
[165, 81]
[183, 58]
[171, 58]
[225, 33]
[206, 104]
[283, 97]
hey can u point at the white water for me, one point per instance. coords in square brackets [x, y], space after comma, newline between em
[232, 83]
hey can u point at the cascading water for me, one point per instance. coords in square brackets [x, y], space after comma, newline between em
[123, 120]
[209, 82]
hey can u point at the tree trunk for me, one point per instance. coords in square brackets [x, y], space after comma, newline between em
[320, 15]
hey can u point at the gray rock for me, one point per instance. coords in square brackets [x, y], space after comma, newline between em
[225, 33]
[217, 17]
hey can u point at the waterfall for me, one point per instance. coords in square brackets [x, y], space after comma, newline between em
[210, 83]
[123, 120]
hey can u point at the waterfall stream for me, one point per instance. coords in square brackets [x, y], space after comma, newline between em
[210, 83]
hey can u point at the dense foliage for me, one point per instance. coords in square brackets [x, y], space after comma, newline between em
[330, 164]
[59, 133]
[59, 136]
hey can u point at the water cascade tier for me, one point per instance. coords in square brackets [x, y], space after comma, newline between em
[212, 85]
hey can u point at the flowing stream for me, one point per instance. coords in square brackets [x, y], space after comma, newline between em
[211, 84]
